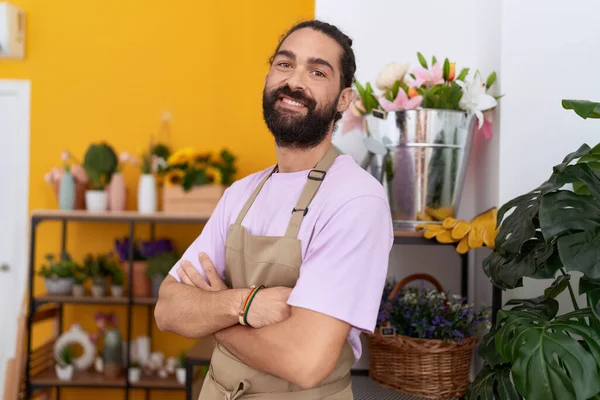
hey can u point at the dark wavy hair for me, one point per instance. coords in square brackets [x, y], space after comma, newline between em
[347, 60]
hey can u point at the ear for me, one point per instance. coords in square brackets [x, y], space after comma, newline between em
[345, 99]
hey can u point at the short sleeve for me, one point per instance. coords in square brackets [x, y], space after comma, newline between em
[210, 241]
[345, 267]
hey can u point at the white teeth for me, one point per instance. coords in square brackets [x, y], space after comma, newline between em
[292, 102]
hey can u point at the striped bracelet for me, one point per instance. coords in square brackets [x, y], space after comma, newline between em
[243, 316]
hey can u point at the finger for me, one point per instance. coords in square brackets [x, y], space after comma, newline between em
[194, 276]
[211, 272]
[183, 277]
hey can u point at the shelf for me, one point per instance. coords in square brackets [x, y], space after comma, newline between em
[120, 216]
[155, 382]
[48, 378]
[47, 298]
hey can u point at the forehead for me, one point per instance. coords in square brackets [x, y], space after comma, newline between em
[307, 43]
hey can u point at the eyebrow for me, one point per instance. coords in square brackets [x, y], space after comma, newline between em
[312, 60]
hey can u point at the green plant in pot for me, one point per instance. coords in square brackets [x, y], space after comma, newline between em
[64, 363]
[100, 163]
[158, 268]
[553, 232]
[59, 274]
[180, 371]
[117, 277]
[80, 277]
[99, 268]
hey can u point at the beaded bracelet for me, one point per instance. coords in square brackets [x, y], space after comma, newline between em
[243, 316]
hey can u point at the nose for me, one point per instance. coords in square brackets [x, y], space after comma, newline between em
[296, 80]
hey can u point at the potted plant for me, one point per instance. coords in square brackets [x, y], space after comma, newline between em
[194, 182]
[99, 269]
[59, 274]
[64, 364]
[159, 266]
[135, 372]
[80, 277]
[180, 371]
[533, 351]
[446, 108]
[116, 285]
[68, 183]
[100, 162]
[424, 339]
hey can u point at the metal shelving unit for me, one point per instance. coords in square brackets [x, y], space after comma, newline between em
[40, 375]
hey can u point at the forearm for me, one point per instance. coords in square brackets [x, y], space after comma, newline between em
[292, 350]
[192, 312]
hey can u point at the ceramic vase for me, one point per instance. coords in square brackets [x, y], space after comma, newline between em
[64, 373]
[135, 374]
[66, 192]
[180, 374]
[147, 202]
[117, 194]
[96, 200]
[112, 355]
[78, 290]
[141, 283]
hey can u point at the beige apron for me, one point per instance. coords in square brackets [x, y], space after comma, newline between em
[271, 261]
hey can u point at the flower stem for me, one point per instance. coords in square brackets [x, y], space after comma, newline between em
[571, 292]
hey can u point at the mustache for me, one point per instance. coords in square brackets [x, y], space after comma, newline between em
[296, 95]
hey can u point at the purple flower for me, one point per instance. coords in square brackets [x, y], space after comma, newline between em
[156, 247]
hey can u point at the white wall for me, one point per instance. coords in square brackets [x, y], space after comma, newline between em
[466, 31]
[557, 59]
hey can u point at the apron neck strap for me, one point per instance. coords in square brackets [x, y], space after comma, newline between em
[315, 177]
[248, 204]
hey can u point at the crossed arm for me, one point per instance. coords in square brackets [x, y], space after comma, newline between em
[300, 346]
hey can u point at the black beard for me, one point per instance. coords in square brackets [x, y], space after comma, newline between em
[293, 130]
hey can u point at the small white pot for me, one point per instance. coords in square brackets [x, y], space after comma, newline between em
[96, 200]
[147, 202]
[180, 374]
[78, 290]
[116, 291]
[59, 286]
[135, 374]
[64, 373]
[98, 291]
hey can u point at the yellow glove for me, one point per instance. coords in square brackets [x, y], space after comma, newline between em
[469, 235]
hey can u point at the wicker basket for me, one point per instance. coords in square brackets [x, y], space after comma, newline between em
[427, 368]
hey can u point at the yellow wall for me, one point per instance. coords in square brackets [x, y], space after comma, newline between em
[107, 69]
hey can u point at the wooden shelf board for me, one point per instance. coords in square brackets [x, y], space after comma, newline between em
[202, 350]
[122, 216]
[155, 382]
[145, 300]
[48, 298]
[407, 233]
[80, 379]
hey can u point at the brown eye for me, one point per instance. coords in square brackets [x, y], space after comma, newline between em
[319, 74]
[284, 64]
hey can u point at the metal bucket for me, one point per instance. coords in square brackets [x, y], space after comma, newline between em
[422, 163]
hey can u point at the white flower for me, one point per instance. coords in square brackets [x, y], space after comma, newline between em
[124, 157]
[475, 99]
[456, 297]
[390, 74]
[488, 325]
[64, 155]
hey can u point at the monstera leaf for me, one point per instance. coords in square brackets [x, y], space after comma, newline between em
[493, 383]
[548, 362]
[591, 287]
[584, 108]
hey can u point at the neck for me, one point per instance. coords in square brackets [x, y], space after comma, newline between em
[290, 159]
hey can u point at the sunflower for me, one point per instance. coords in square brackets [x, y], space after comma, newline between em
[182, 156]
[214, 175]
[174, 178]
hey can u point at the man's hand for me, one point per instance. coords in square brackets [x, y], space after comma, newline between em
[269, 307]
[190, 276]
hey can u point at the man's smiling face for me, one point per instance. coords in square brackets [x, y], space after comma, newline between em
[302, 89]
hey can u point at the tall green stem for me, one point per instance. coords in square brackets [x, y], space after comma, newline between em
[571, 292]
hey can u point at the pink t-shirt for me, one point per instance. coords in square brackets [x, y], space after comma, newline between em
[346, 239]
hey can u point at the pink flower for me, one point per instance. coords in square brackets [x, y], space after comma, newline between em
[79, 174]
[64, 155]
[427, 77]
[401, 102]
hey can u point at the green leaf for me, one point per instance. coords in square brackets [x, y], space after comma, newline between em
[487, 348]
[575, 220]
[584, 108]
[548, 362]
[395, 89]
[422, 60]
[581, 152]
[558, 286]
[592, 288]
[493, 383]
[446, 70]
[490, 80]
[433, 60]
[463, 74]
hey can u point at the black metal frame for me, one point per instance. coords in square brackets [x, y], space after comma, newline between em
[34, 304]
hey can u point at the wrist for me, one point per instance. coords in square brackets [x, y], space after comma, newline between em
[238, 303]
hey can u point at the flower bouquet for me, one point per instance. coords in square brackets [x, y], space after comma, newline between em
[194, 181]
[69, 183]
[424, 340]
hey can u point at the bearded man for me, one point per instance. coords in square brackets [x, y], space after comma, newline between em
[290, 268]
